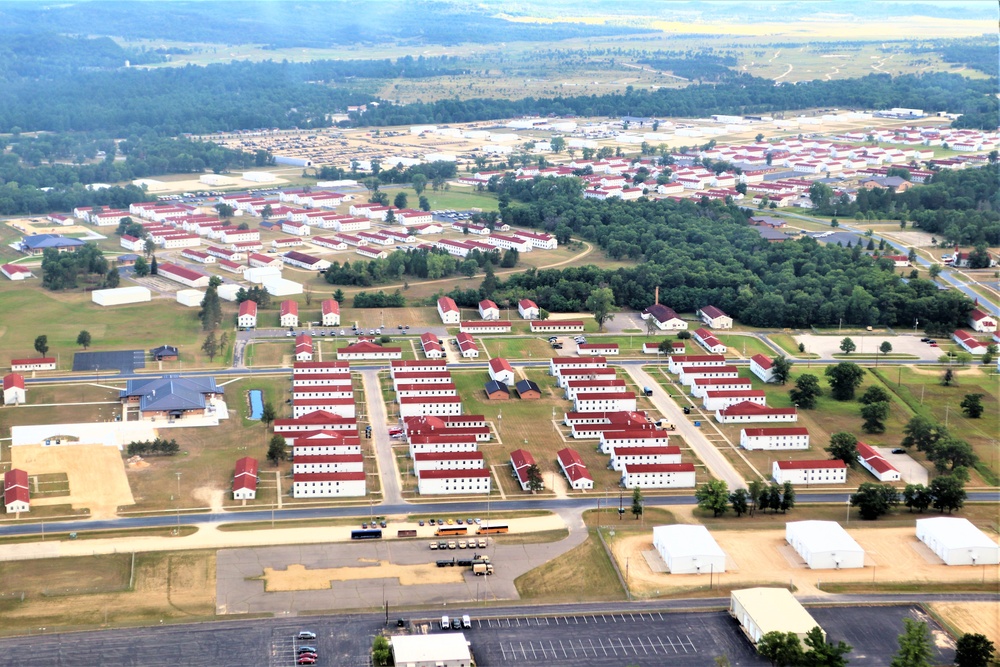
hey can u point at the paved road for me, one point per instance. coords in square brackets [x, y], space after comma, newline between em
[717, 464]
[387, 469]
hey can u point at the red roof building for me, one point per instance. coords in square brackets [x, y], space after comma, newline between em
[245, 479]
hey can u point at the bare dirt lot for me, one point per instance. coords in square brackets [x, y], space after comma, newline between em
[300, 578]
[891, 555]
[981, 617]
[96, 475]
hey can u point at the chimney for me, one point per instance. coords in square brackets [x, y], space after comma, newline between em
[656, 301]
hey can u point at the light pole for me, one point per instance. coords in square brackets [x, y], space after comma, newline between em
[177, 530]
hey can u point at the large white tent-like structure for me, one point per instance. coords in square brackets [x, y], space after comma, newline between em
[688, 549]
[763, 610]
[958, 542]
[824, 545]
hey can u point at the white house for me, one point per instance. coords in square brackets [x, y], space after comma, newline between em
[485, 327]
[448, 310]
[33, 364]
[600, 385]
[368, 351]
[330, 313]
[289, 314]
[676, 362]
[344, 407]
[527, 309]
[182, 275]
[969, 342]
[574, 469]
[328, 485]
[488, 310]
[633, 437]
[467, 346]
[658, 476]
[824, 471]
[16, 493]
[665, 318]
[433, 650]
[748, 412]
[448, 461]
[720, 400]
[715, 318]
[761, 367]
[501, 371]
[344, 462]
[958, 542]
[774, 438]
[444, 442]
[873, 462]
[605, 402]
[556, 326]
[982, 322]
[13, 389]
[247, 318]
[245, 479]
[688, 549]
[688, 375]
[16, 271]
[701, 386]
[623, 456]
[417, 406]
[707, 340]
[417, 389]
[303, 347]
[559, 364]
[520, 461]
[431, 345]
[824, 545]
[597, 349]
[417, 366]
[451, 482]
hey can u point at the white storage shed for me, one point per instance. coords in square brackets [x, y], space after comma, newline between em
[282, 287]
[688, 549]
[228, 291]
[958, 542]
[824, 545]
[190, 297]
[121, 295]
[260, 274]
[763, 610]
[434, 650]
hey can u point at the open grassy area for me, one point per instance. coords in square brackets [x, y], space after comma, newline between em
[787, 343]
[517, 348]
[583, 573]
[744, 347]
[100, 591]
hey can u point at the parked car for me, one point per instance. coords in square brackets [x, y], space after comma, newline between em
[307, 649]
[466, 622]
[305, 634]
[456, 623]
[306, 660]
[445, 623]
[898, 450]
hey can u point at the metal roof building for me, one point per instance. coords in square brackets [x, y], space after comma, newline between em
[688, 549]
[763, 610]
[957, 542]
[171, 394]
[824, 545]
[435, 650]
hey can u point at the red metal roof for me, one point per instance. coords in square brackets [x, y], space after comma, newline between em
[762, 361]
[15, 477]
[713, 312]
[12, 380]
[635, 468]
[329, 458]
[588, 361]
[329, 476]
[447, 304]
[448, 456]
[748, 408]
[289, 308]
[499, 365]
[330, 306]
[430, 399]
[180, 271]
[669, 450]
[758, 432]
[605, 395]
[683, 358]
[320, 364]
[473, 473]
[366, 347]
[597, 346]
[834, 464]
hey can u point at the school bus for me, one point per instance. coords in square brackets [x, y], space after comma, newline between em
[495, 529]
[451, 530]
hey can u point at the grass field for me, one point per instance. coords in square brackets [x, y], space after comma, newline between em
[744, 347]
[791, 348]
[583, 573]
[517, 348]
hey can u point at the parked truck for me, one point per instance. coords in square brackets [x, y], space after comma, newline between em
[482, 568]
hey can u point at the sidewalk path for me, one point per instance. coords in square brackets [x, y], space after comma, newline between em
[387, 472]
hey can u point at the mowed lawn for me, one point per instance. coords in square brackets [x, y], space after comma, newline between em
[517, 348]
[30, 311]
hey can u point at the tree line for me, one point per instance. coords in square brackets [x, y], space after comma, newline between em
[155, 447]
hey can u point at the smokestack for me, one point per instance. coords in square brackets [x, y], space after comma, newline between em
[657, 299]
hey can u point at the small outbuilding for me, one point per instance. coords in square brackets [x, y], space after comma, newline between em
[13, 389]
[497, 391]
[957, 542]
[824, 545]
[119, 296]
[528, 390]
[688, 549]
[191, 298]
[763, 610]
[164, 353]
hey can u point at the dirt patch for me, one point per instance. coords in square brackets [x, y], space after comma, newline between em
[298, 578]
[939, 373]
[213, 498]
[891, 555]
[968, 617]
[96, 474]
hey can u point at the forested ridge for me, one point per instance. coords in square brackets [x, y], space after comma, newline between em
[700, 254]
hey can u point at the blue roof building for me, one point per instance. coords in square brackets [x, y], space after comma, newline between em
[37, 244]
[171, 397]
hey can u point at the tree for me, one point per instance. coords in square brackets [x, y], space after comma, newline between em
[774, 497]
[210, 346]
[225, 210]
[922, 433]
[153, 269]
[847, 346]
[535, 483]
[782, 649]
[787, 497]
[42, 345]
[558, 144]
[874, 415]
[972, 406]
[781, 368]
[419, 183]
[400, 200]
[844, 446]
[637, 502]
[149, 247]
[934, 271]
[738, 499]
[266, 212]
[111, 278]
[949, 377]
[973, 650]
[339, 296]
[600, 302]
[651, 330]
[683, 335]
[211, 307]
[713, 495]
[950, 453]
[754, 490]
[885, 347]
[874, 500]
[844, 379]
[141, 267]
[822, 653]
[914, 646]
[268, 414]
[425, 203]
[83, 339]
[917, 497]
[276, 452]
[805, 392]
[874, 394]
[947, 492]
[381, 652]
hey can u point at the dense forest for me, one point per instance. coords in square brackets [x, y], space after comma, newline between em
[699, 254]
[743, 94]
[282, 25]
[420, 264]
[698, 66]
[961, 207]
